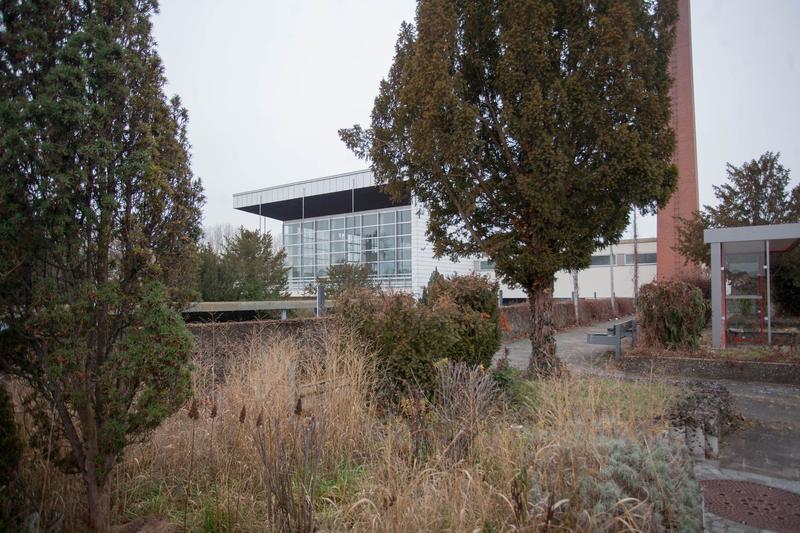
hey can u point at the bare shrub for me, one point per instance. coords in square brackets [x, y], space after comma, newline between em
[671, 314]
[465, 399]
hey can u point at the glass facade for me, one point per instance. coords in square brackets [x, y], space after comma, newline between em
[745, 282]
[751, 305]
[380, 239]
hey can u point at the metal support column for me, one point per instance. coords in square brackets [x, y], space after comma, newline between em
[717, 294]
[320, 301]
[769, 299]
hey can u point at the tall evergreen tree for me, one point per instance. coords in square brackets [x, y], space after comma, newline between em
[528, 129]
[756, 193]
[99, 221]
[258, 272]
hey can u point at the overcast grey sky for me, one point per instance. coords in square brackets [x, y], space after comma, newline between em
[267, 84]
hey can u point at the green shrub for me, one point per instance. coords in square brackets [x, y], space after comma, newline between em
[407, 337]
[458, 321]
[469, 302]
[671, 314]
[506, 377]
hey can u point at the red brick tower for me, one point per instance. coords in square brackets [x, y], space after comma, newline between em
[669, 263]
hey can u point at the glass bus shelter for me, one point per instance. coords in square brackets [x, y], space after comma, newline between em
[743, 310]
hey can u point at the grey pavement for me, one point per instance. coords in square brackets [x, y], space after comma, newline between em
[572, 348]
[766, 449]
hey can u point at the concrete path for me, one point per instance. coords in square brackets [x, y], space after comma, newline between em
[767, 444]
[572, 348]
[766, 449]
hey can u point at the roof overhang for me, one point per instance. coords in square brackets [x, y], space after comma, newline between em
[782, 237]
[330, 195]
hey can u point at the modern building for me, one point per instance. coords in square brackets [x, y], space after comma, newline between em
[346, 218]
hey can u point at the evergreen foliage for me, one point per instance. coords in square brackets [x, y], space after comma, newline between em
[247, 268]
[459, 322]
[344, 277]
[99, 223]
[406, 336]
[527, 129]
[471, 304]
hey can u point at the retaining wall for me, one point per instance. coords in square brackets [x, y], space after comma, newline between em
[781, 373]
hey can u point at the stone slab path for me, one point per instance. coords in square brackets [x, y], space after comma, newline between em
[765, 450]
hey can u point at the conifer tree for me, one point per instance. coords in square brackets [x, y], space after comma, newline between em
[256, 271]
[528, 129]
[99, 222]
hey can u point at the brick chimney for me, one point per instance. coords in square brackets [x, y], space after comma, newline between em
[669, 263]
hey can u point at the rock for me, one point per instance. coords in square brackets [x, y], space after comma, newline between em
[696, 441]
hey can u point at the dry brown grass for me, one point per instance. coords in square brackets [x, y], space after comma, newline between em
[535, 463]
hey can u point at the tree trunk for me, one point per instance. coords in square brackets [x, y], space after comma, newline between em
[576, 298]
[543, 362]
[99, 500]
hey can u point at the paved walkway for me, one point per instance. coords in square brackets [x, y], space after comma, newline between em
[572, 348]
[765, 450]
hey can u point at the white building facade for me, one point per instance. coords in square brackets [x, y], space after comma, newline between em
[346, 218]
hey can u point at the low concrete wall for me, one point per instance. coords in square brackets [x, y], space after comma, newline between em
[216, 340]
[781, 373]
[238, 331]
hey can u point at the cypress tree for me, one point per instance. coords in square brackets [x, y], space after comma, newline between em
[528, 129]
[99, 222]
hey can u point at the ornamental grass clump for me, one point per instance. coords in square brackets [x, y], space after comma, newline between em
[290, 450]
[671, 314]
[566, 455]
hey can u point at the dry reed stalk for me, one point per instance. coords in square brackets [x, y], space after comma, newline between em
[557, 436]
[194, 414]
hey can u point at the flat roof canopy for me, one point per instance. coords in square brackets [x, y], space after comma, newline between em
[782, 237]
[329, 195]
[326, 204]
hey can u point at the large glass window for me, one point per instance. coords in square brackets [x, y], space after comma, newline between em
[382, 240]
[744, 265]
[644, 259]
